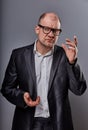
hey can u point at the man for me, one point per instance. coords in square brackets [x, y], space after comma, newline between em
[39, 76]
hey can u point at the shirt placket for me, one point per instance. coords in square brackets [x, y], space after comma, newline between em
[44, 85]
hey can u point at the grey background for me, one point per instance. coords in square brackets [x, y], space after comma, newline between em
[17, 21]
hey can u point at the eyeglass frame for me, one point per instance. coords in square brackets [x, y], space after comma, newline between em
[50, 29]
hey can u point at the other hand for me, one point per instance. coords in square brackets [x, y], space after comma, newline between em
[71, 49]
[29, 101]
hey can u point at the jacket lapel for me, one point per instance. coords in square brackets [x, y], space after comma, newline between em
[56, 60]
[30, 64]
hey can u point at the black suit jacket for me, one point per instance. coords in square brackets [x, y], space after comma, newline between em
[20, 77]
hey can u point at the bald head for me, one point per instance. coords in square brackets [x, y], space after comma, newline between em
[51, 15]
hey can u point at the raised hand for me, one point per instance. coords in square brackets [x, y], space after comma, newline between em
[29, 101]
[71, 49]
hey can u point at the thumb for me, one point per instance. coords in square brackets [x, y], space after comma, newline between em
[26, 96]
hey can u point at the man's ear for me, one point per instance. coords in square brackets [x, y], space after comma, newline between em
[37, 29]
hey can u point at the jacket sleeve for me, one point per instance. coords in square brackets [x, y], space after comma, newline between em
[10, 88]
[77, 82]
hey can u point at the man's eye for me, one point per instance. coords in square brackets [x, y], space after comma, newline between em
[47, 29]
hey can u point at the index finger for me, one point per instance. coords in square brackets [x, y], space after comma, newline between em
[75, 40]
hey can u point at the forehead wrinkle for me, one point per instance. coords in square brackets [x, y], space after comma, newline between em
[50, 23]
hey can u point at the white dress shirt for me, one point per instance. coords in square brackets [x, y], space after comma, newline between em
[42, 67]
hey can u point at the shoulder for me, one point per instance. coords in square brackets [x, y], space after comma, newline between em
[21, 50]
[59, 49]
[60, 53]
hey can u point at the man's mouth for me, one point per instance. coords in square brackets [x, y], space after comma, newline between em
[50, 40]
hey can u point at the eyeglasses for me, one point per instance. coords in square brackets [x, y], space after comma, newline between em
[47, 30]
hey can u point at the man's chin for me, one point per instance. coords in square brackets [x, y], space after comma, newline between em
[50, 45]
